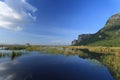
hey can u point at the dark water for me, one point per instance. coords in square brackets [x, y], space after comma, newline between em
[43, 66]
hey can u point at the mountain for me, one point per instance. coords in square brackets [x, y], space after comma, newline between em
[109, 35]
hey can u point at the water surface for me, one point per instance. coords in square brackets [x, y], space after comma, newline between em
[44, 66]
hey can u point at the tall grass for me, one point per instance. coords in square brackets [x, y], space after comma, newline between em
[109, 56]
[13, 54]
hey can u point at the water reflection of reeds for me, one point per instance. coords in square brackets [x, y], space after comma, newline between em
[110, 60]
[11, 55]
[109, 56]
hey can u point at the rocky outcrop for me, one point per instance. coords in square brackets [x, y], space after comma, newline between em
[109, 35]
[74, 42]
[84, 37]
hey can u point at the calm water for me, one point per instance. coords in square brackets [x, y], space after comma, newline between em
[43, 66]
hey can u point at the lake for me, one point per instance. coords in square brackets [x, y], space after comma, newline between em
[44, 66]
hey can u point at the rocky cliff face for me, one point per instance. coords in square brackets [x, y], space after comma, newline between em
[109, 35]
[84, 37]
[113, 23]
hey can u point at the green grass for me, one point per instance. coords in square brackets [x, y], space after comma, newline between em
[15, 47]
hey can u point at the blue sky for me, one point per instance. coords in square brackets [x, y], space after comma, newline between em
[52, 22]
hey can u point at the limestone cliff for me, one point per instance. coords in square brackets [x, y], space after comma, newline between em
[109, 35]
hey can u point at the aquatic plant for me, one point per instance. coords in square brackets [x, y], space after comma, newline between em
[14, 54]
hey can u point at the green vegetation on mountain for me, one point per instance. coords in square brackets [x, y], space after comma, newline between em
[109, 35]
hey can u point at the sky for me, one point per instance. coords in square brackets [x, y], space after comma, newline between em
[52, 22]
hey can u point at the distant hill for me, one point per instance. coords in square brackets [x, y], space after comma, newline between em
[109, 35]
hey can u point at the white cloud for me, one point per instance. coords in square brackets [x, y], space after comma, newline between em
[15, 13]
[2, 66]
[10, 77]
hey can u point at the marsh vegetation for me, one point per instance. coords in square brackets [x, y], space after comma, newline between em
[108, 56]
